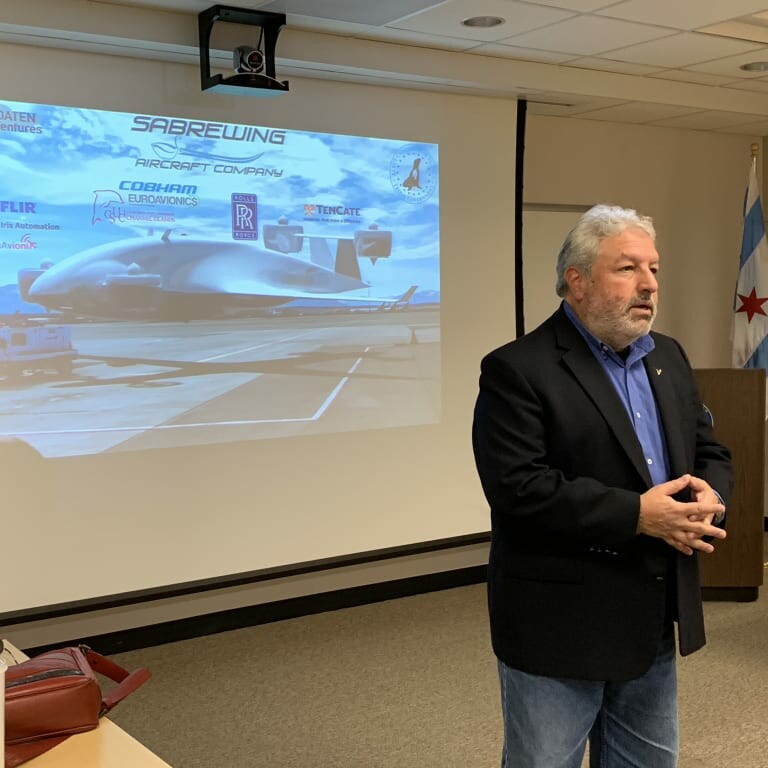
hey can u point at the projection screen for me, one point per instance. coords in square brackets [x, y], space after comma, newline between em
[251, 404]
[219, 281]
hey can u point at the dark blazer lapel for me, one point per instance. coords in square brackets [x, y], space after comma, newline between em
[578, 357]
[669, 410]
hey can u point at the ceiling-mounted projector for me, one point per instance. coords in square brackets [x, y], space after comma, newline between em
[254, 66]
[246, 59]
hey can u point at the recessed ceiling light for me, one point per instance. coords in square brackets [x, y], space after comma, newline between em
[755, 66]
[483, 21]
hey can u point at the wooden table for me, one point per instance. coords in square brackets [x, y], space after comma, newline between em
[107, 746]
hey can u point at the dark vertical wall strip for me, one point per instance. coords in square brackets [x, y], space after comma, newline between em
[522, 108]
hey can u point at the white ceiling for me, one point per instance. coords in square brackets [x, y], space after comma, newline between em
[660, 62]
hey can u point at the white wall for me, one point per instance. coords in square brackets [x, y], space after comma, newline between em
[691, 182]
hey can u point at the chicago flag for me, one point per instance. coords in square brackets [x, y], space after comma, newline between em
[750, 306]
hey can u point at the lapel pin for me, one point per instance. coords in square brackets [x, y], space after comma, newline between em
[658, 371]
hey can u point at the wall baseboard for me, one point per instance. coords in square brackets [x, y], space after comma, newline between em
[238, 618]
[730, 594]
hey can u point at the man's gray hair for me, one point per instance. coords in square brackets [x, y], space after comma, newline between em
[583, 242]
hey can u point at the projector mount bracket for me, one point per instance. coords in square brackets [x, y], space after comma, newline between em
[243, 83]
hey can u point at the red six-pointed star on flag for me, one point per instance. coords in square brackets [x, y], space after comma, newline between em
[752, 305]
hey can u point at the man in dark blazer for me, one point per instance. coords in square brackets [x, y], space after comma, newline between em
[605, 482]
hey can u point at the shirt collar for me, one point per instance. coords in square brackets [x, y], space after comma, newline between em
[637, 349]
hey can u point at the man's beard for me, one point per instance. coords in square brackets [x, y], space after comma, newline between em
[615, 323]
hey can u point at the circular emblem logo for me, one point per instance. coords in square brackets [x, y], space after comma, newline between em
[413, 171]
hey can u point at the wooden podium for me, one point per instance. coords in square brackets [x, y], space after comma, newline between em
[736, 399]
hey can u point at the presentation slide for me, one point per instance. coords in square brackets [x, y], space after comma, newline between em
[172, 282]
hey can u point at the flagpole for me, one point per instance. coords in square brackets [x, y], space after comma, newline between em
[749, 335]
[754, 149]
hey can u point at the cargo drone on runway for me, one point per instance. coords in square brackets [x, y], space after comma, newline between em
[175, 277]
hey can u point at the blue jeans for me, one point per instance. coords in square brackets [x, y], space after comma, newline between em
[631, 724]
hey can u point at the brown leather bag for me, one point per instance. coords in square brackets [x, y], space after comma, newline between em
[56, 694]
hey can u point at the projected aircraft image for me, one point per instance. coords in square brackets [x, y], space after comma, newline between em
[168, 282]
[172, 277]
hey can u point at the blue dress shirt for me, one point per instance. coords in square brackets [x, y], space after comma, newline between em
[630, 380]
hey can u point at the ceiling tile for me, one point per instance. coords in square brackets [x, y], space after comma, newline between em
[708, 120]
[420, 39]
[584, 104]
[373, 13]
[566, 105]
[515, 52]
[680, 50]
[446, 19]
[748, 129]
[604, 65]
[637, 112]
[329, 26]
[549, 109]
[729, 66]
[760, 85]
[683, 14]
[585, 6]
[739, 30]
[587, 35]
[686, 76]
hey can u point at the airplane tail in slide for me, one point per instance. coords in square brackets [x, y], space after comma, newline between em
[401, 302]
[406, 297]
[346, 259]
[344, 263]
